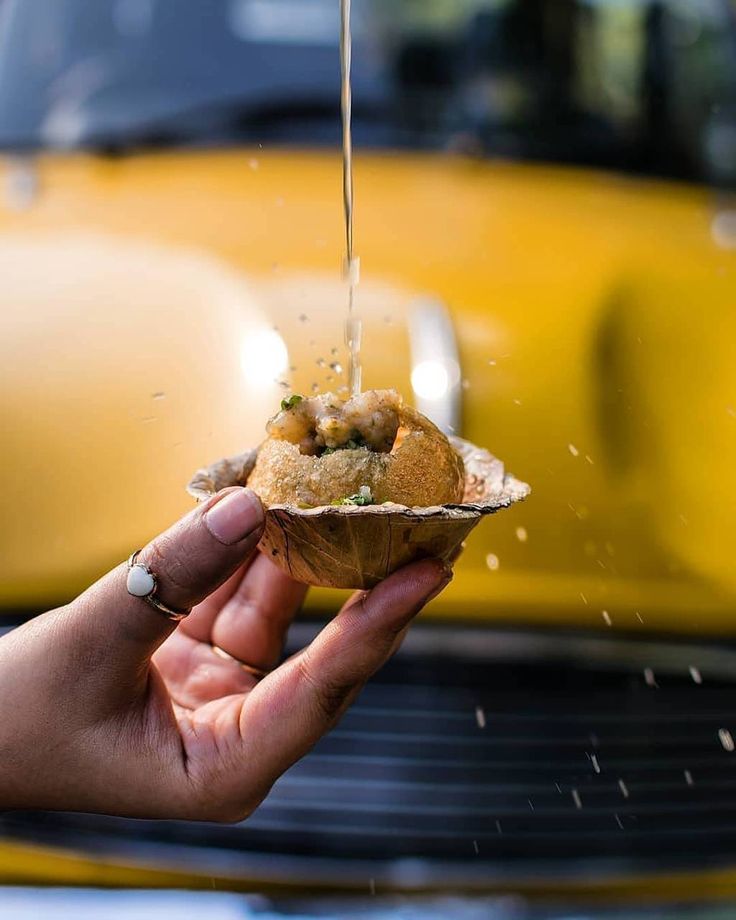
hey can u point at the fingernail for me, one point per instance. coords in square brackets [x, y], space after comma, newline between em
[234, 517]
[445, 575]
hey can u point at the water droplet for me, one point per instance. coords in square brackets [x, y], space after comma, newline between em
[492, 562]
[688, 777]
[303, 318]
[589, 459]
[498, 826]
[521, 535]
[315, 388]
[624, 788]
[618, 821]
[336, 367]
[466, 384]
[333, 351]
[649, 678]
[253, 163]
[492, 364]
[639, 616]
[726, 739]
[285, 384]
[583, 598]
[480, 716]
[607, 618]
[596, 765]
[573, 450]
[531, 804]
[475, 847]
[576, 798]
[320, 362]
[517, 402]
[696, 675]
[159, 395]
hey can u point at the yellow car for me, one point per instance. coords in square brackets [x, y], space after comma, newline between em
[548, 248]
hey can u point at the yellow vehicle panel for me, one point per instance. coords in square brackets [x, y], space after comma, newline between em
[596, 330]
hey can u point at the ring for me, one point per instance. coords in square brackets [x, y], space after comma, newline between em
[142, 583]
[258, 673]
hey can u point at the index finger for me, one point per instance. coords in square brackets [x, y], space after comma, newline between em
[293, 707]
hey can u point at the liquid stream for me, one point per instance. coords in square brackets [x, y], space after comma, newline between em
[353, 323]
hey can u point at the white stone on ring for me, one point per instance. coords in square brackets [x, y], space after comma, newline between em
[141, 582]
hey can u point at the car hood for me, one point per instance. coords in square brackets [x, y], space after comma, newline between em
[155, 308]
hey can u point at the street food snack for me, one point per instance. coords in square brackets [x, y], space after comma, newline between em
[328, 448]
[355, 488]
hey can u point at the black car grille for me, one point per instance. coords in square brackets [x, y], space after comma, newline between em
[478, 755]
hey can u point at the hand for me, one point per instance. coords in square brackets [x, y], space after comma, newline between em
[105, 706]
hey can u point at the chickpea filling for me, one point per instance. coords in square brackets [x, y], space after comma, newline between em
[321, 425]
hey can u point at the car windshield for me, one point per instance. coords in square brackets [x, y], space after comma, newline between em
[644, 86]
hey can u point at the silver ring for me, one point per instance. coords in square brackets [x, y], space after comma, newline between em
[142, 583]
[258, 673]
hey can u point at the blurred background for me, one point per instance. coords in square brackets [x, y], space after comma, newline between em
[546, 219]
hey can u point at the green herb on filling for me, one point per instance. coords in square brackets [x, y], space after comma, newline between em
[363, 497]
[291, 401]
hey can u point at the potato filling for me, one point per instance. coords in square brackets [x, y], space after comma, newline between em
[321, 425]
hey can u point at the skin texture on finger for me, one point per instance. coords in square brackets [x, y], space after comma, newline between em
[290, 709]
[259, 604]
[199, 623]
[194, 675]
[189, 561]
[253, 623]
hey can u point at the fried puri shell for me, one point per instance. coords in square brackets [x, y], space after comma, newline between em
[420, 470]
[356, 547]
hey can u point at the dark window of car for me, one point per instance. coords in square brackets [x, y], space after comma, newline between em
[638, 85]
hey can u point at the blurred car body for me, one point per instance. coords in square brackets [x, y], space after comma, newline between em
[547, 183]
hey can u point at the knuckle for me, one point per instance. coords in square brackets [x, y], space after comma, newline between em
[331, 696]
[177, 566]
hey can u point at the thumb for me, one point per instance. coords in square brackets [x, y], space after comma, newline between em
[189, 561]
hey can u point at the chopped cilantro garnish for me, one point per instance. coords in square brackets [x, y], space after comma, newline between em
[291, 401]
[362, 498]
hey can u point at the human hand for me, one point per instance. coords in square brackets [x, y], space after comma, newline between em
[107, 706]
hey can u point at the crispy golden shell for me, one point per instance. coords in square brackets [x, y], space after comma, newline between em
[420, 471]
[348, 546]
